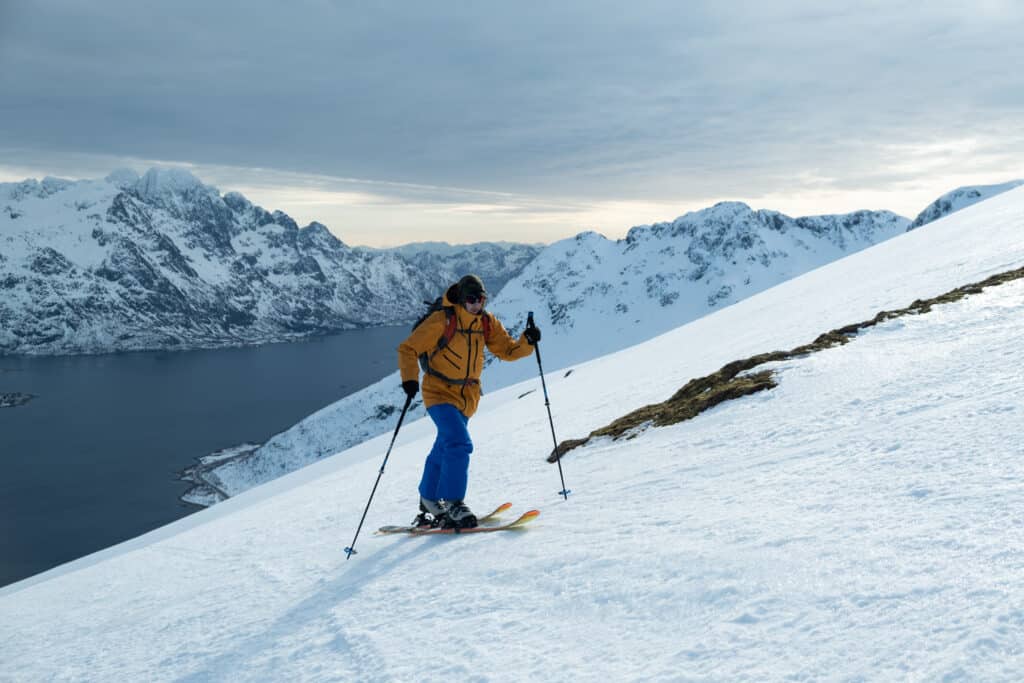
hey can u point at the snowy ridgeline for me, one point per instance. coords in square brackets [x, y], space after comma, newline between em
[591, 296]
[960, 198]
[164, 261]
[861, 521]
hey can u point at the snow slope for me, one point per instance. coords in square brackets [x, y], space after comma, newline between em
[591, 296]
[859, 522]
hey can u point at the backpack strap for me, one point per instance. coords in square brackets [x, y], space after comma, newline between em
[451, 324]
[486, 322]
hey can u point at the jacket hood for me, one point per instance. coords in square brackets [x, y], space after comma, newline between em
[460, 310]
[451, 298]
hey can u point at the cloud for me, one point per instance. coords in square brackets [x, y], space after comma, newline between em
[596, 101]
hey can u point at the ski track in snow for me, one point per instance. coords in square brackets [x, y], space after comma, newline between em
[861, 521]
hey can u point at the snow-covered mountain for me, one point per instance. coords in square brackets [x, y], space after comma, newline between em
[495, 262]
[960, 198]
[860, 521]
[164, 261]
[591, 296]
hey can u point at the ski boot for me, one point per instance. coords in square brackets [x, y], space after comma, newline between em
[431, 514]
[458, 516]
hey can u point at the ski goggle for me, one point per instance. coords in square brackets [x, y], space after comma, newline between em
[474, 298]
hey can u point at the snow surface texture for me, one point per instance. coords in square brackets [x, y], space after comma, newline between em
[164, 261]
[591, 296]
[859, 522]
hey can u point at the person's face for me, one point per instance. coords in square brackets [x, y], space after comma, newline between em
[474, 304]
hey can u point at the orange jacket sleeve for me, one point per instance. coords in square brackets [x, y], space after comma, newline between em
[503, 346]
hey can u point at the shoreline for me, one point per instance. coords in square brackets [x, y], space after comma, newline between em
[205, 491]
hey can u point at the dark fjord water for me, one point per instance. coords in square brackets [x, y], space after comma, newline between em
[93, 459]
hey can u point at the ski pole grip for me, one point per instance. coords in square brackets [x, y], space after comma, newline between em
[529, 319]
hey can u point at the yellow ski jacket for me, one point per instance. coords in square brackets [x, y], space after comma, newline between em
[461, 360]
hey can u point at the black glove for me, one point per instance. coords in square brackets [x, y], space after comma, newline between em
[411, 387]
[532, 334]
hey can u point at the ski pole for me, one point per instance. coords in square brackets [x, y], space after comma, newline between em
[351, 550]
[547, 404]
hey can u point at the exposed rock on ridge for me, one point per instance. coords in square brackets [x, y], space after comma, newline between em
[164, 261]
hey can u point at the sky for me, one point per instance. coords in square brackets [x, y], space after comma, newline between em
[394, 122]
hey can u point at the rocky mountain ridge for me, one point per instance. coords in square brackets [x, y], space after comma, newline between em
[495, 262]
[616, 293]
[163, 261]
[960, 198]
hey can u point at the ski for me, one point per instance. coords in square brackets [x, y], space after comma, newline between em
[409, 529]
[515, 524]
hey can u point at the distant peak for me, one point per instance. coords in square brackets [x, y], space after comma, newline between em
[960, 198]
[123, 178]
[985, 190]
[237, 201]
[590, 236]
[51, 185]
[164, 181]
[319, 231]
[732, 206]
[722, 209]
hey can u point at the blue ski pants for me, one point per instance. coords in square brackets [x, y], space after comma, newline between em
[446, 472]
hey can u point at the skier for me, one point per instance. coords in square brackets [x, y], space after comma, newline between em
[449, 345]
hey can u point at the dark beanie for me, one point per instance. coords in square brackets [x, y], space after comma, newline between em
[471, 284]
